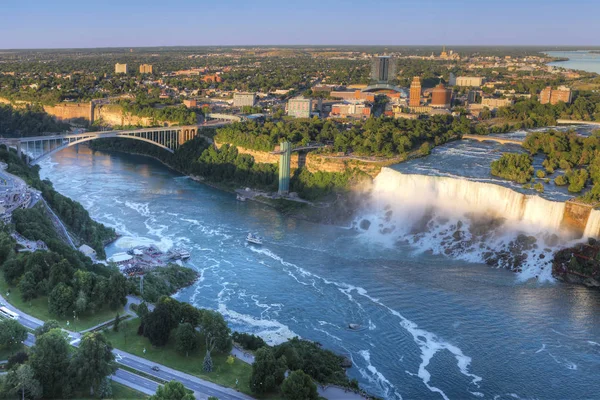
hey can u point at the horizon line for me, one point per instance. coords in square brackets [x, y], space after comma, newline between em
[580, 47]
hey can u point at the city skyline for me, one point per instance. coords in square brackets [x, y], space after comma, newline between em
[69, 24]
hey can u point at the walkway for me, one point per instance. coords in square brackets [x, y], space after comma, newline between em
[575, 122]
[484, 138]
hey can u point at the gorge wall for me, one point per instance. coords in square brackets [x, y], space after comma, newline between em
[314, 162]
[110, 114]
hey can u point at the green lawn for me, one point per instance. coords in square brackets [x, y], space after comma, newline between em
[119, 392]
[223, 373]
[39, 308]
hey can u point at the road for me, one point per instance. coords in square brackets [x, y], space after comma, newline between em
[202, 389]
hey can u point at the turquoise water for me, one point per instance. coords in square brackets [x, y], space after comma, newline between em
[433, 327]
[581, 59]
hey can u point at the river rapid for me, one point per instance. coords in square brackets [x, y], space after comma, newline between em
[433, 325]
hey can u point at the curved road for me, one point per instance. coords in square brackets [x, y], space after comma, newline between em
[202, 389]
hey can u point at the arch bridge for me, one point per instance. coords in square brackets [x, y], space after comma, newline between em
[40, 147]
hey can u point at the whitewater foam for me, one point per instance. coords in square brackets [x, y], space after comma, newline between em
[428, 343]
[473, 221]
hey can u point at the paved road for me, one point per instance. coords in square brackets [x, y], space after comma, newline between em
[201, 388]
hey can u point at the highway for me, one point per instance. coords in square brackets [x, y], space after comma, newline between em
[202, 388]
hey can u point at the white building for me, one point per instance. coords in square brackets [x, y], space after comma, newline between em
[244, 100]
[469, 81]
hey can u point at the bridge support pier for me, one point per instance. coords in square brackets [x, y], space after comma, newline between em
[285, 160]
[19, 149]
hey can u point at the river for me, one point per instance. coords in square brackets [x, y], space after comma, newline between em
[581, 60]
[432, 326]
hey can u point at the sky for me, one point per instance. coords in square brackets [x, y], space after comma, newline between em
[137, 23]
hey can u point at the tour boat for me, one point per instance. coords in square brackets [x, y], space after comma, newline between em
[253, 239]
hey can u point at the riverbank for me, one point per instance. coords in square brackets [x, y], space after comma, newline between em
[335, 209]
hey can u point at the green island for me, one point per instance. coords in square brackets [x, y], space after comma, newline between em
[569, 159]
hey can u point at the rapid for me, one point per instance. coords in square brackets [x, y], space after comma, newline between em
[436, 321]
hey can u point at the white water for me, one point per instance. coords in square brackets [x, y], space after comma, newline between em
[474, 221]
[592, 228]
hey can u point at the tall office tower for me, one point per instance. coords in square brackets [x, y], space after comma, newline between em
[383, 69]
[415, 92]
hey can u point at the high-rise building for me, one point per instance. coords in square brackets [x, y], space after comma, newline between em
[299, 107]
[452, 80]
[145, 69]
[441, 97]
[244, 99]
[120, 68]
[415, 92]
[383, 69]
[553, 96]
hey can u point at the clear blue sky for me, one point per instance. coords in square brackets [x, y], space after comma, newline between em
[128, 23]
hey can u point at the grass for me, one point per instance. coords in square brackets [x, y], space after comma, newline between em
[223, 374]
[120, 392]
[38, 308]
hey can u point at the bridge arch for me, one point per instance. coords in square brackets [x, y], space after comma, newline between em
[90, 138]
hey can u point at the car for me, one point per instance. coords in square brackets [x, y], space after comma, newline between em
[155, 368]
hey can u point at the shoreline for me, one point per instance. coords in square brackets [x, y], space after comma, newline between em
[294, 212]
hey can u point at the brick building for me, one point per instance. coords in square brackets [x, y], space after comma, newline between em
[553, 96]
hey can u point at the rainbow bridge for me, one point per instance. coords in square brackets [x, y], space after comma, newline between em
[40, 147]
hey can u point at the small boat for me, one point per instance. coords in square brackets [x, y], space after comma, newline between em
[184, 254]
[354, 326]
[254, 239]
[240, 198]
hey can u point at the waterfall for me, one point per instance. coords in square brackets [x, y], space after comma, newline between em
[592, 228]
[474, 221]
[456, 197]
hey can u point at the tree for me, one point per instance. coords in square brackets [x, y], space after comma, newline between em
[172, 390]
[207, 364]
[157, 326]
[28, 286]
[81, 303]
[50, 360]
[185, 337]
[18, 358]
[267, 371]
[61, 299]
[217, 334]
[117, 293]
[116, 323]
[299, 386]
[48, 325]
[11, 333]
[105, 388]
[93, 361]
[23, 380]
[142, 310]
